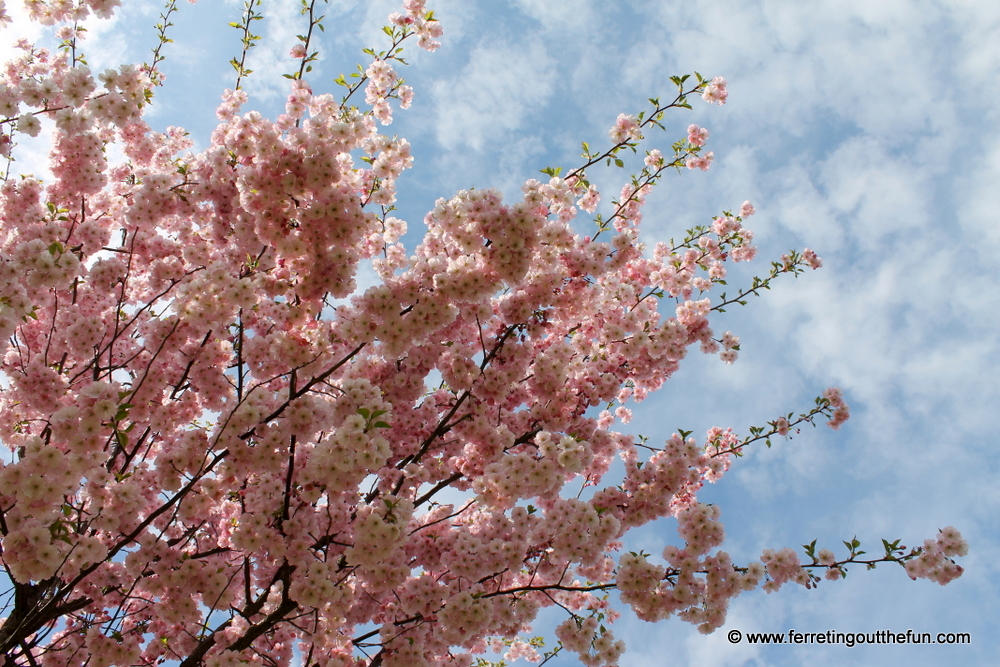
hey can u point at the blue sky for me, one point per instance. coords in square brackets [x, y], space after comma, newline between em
[867, 131]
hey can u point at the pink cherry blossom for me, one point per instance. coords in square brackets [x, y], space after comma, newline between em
[715, 92]
[702, 162]
[626, 129]
[697, 136]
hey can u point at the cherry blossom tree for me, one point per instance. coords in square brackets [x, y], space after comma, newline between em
[223, 452]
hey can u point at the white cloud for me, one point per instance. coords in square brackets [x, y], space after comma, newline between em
[494, 95]
[978, 199]
[19, 28]
[573, 14]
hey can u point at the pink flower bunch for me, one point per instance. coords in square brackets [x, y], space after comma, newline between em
[715, 92]
[697, 136]
[841, 412]
[783, 566]
[520, 649]
[299, 99]
[589, 201]
[382, 80]
[416, 18]
[232, 102]
[935, 559]
[698, 525]
[702, 162]
[50, 12]
[594, 647]
[810, 258]
[696, 589]
[626, 128]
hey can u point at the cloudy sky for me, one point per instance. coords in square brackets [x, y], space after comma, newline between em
[867, 131]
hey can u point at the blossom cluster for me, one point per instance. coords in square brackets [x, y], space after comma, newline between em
[594, 646]
[697, 136]
[935, 559]
[418, 19]
[841, 412]
[715, 92]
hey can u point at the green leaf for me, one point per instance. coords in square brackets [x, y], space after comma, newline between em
[810, 548]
